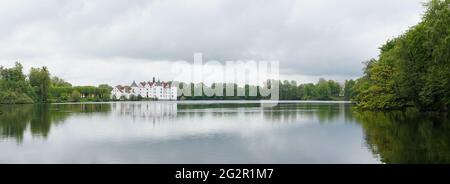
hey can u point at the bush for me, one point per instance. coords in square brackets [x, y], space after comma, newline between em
[9, 97]
[76, 96]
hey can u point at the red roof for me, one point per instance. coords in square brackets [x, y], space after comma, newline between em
[123, 88]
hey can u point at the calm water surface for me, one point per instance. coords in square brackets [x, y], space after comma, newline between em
[219, 132]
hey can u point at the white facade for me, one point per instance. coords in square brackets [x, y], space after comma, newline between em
[153, 90]
[119, 92]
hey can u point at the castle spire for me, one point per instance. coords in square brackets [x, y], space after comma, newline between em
[134, 84]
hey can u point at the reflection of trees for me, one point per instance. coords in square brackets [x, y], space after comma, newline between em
[217, 110]
[407, 137]
[282, 112]
[82, 108]
[187, 106]
[16, 119]
[291, 112]
[40, 121]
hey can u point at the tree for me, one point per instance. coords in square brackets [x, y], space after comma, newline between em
[14, 88]
[76, 96]
[309, 91]
[335, 88]
[348, 89]
[132, 98]
[323, 90]
[105, 86]
[58, 82]
[105, 92]
[377, 90]
[39, 87]
[40, 82]
[413, 69]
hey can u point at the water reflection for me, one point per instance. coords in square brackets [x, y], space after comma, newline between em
[145, 111]
[324, 113]
[283, 112]
[15, 120]
[407, 137]
[224, 133]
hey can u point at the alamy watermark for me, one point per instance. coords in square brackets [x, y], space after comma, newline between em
[260, 77]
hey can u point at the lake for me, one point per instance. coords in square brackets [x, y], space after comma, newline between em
[219, 132]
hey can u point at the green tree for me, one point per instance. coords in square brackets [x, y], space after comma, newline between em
[335, 88]
[309, 91]
[413, 69]
[132, 98]
[14, 87]
[348, 89]
[380, 92]
[323, 90]
[105, 86]
[58, 82]
[40, 82]
[76, 96]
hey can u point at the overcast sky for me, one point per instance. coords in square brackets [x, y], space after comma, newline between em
[89, 42]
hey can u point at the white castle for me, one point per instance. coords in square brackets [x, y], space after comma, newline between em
[153, 90]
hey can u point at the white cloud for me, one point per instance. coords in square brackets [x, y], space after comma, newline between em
[113, 41]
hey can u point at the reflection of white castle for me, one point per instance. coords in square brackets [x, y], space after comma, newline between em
[156, 90]
[146, 111]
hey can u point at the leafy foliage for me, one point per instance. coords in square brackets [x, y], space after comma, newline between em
[348, 89]
[40, 87]
[288, 90]
[58, 82]
[413, 69]
[40, 82]
[14, 86]
[75, 96]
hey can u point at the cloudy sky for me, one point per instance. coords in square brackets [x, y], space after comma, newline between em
[89, 42]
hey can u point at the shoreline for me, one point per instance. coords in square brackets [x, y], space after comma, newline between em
[202, 101]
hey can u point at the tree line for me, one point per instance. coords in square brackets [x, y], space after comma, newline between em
[288, 90]
[413, 69]
[62, 91]
[40, 87]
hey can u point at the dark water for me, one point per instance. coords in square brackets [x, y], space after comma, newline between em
[219, 132]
